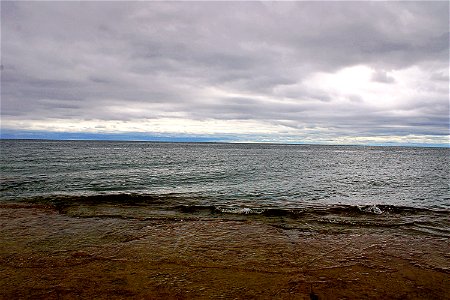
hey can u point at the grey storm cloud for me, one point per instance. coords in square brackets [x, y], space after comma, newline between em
[225, 61]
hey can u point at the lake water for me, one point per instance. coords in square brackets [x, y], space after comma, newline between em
[248, 179]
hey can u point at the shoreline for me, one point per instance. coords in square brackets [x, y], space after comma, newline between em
[51, 255]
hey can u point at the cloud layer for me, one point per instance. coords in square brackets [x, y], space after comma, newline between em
[334, 72]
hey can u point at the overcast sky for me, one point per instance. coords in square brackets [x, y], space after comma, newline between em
[325, 72]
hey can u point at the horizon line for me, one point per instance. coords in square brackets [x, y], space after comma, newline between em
[184, 140]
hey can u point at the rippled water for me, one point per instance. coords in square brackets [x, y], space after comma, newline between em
[235, 174]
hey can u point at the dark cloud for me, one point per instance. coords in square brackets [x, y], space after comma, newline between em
[272, 62]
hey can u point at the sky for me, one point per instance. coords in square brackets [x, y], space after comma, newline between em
[283, 72]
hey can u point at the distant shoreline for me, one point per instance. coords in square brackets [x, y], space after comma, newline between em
[227, 143]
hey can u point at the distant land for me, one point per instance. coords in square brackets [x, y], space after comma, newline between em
[179, 138]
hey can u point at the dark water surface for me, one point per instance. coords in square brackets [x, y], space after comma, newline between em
[390, 186]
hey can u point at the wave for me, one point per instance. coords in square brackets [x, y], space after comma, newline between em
[107, 198]
[195, 204]
[303, 217]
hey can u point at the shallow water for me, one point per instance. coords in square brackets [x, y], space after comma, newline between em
[49, 255]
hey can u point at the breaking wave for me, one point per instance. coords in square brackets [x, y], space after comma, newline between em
[179, 206]
[193, 204]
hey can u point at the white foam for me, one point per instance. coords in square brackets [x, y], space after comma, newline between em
[372, 209]
[240, 210]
